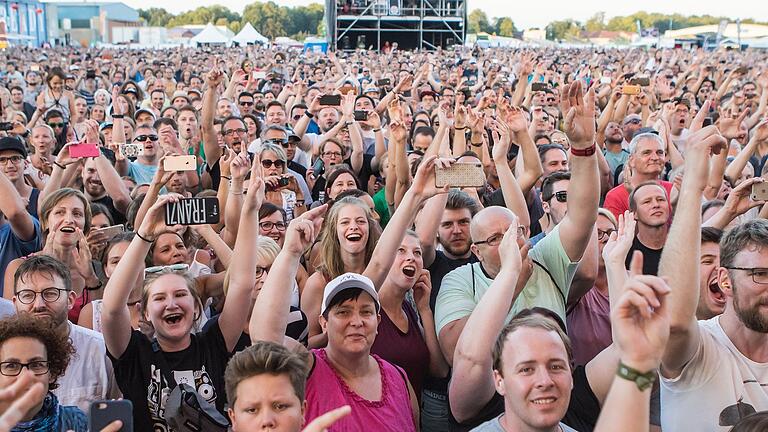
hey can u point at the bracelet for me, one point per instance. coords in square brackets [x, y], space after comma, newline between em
[376, 130]
[476, 144]
[144, 238]
[461, 128]
[59, 165]
[233, 192]
[101, 284]
[118, 116]
[308, 114]
[228, 178]
[643, 380]
[589, 151]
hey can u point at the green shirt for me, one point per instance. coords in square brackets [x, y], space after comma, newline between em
[381, 207]
[462, 288]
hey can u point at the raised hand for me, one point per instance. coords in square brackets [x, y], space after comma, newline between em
[620, 242]
[640, 319]
[256, 189]
[154, 221]
[398, 132]
[516, 120]
[302, 231]
[225, 162]
[63, 157]
[761, 131]
[730, 124]
[424, 181]
[509, 251]
[501, 146]
[422, 290]
[579, 111]
[17, 399]
[698, 121]
[239, 166]
[739, 201]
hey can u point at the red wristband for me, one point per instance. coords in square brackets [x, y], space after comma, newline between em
[589, 151]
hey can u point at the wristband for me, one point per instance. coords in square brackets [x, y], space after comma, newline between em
[144, 238]
[476, 144]
[461, 128]
[308, 114]
[26, 133]
[118, 116]
[59, 165]
[643, 380]
[376, 130]
[228, 178]
[589, 151]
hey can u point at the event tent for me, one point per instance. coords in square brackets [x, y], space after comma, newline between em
[209, 36]
[249, 35]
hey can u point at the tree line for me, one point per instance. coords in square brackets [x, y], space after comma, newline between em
[270, 19]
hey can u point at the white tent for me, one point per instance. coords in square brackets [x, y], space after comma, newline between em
[248, 34]
[209, 35]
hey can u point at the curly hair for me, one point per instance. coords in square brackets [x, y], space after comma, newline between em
[57, 345]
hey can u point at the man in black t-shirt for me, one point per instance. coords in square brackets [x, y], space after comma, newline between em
[649, 203]
[103, 185]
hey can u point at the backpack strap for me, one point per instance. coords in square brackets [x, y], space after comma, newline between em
[165, 370]
[557, 287]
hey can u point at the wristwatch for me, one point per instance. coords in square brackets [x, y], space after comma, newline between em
[643, 380]
[308, 114]
[589, 151]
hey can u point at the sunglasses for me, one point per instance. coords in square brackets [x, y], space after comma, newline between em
[57, 125]
[561, 196]
[267, 163]
[166, 269]
[277, 141]
[244, 103]
[142, 138]
[297, 117]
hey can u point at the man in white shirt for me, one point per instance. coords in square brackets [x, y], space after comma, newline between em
[714, 372]
[42, 287]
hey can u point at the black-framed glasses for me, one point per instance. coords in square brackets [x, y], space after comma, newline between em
[561, 196]
[143, 138]
[267, 163]
[277, 141]
[49, 295]
[15, 159]
[268, 226]
[260, 271]
[603, 235]
[332, 154]
[245, 103]
[230, 132]
[759, 274]
[495, 239]
[38, 367]
[57, 125]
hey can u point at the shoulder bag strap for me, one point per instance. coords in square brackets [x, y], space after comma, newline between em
[165, 370]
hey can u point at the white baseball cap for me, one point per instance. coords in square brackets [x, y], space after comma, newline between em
[348, 281]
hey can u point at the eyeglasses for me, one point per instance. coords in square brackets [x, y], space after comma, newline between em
[49, 295]
[244, 103]
[633, 121]
[332, 154]
[267, 163]
[260, 271]
[57, 125]
[39, 367]
[759, 274]
[166, 269]
[13, 159]
[230, 132]
[561, 196]
[495, 239]
[267, 226]
[604, 235]
[143, 138]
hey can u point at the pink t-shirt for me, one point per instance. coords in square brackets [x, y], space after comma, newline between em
[617, 199]
[326, 391]
[589, 326]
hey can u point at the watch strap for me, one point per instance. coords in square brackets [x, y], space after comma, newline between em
[643, 380]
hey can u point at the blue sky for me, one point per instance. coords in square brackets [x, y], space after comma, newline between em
[527, 14]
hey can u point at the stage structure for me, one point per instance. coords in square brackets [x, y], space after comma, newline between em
[413, 24]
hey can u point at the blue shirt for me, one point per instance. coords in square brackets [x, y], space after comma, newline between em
[12, 247]
[141, 173]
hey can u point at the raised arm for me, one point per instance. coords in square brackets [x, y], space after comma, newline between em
[576, 227]
[210, 140]
[14, 209]
[682, 250]
[472, 363]
[513, 195]
[269, 318]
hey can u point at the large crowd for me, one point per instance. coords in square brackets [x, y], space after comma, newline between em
[252, 238]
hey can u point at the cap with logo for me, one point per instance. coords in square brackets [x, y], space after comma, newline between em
[345, 282]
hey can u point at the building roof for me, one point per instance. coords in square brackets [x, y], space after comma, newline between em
[117, 11]
[731, 31]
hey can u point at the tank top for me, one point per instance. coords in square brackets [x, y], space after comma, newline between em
[61, 104]
[326, 391]
[407, 350]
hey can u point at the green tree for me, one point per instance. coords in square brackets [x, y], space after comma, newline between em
[204, 15]
[596, 22]
[505, 27]
[477, 21]
[268, 18]
[155, 17]
[565, 29]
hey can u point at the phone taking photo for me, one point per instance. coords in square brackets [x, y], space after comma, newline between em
[330, 100]
[192, 211]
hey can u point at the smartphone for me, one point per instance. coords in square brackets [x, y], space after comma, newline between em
[6, 126]
[104, 412]
[630, 90]
[605, 80]
[330, 100]
[180, 163]
[383, 82]
[538, 86]
[84, 150]
[111, 231]
[460, 175]
[361, 115]
[281, 183]
[131, 150]
[259, 74]
[641, 81]
[759, 192]
[318, 167]
[707, 122]
[192, 211]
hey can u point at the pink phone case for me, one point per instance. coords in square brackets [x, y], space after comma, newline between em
[83, 150]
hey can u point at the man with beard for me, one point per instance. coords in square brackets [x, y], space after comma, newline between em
[613, 151]
[646, 162]
[713, 372]
[42, 287]
[103, 185]
[649, 202]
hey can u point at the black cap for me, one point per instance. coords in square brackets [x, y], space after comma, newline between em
[11, 143]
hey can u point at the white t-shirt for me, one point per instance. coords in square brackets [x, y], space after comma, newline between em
[717, 388]
[89, 375]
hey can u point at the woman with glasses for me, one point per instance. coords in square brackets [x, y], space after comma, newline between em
[331, 154]
[172, 304]
[33, 351]
[282, 188]
[65, 221]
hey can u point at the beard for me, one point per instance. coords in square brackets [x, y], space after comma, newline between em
[456, 251]
[750, 317]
